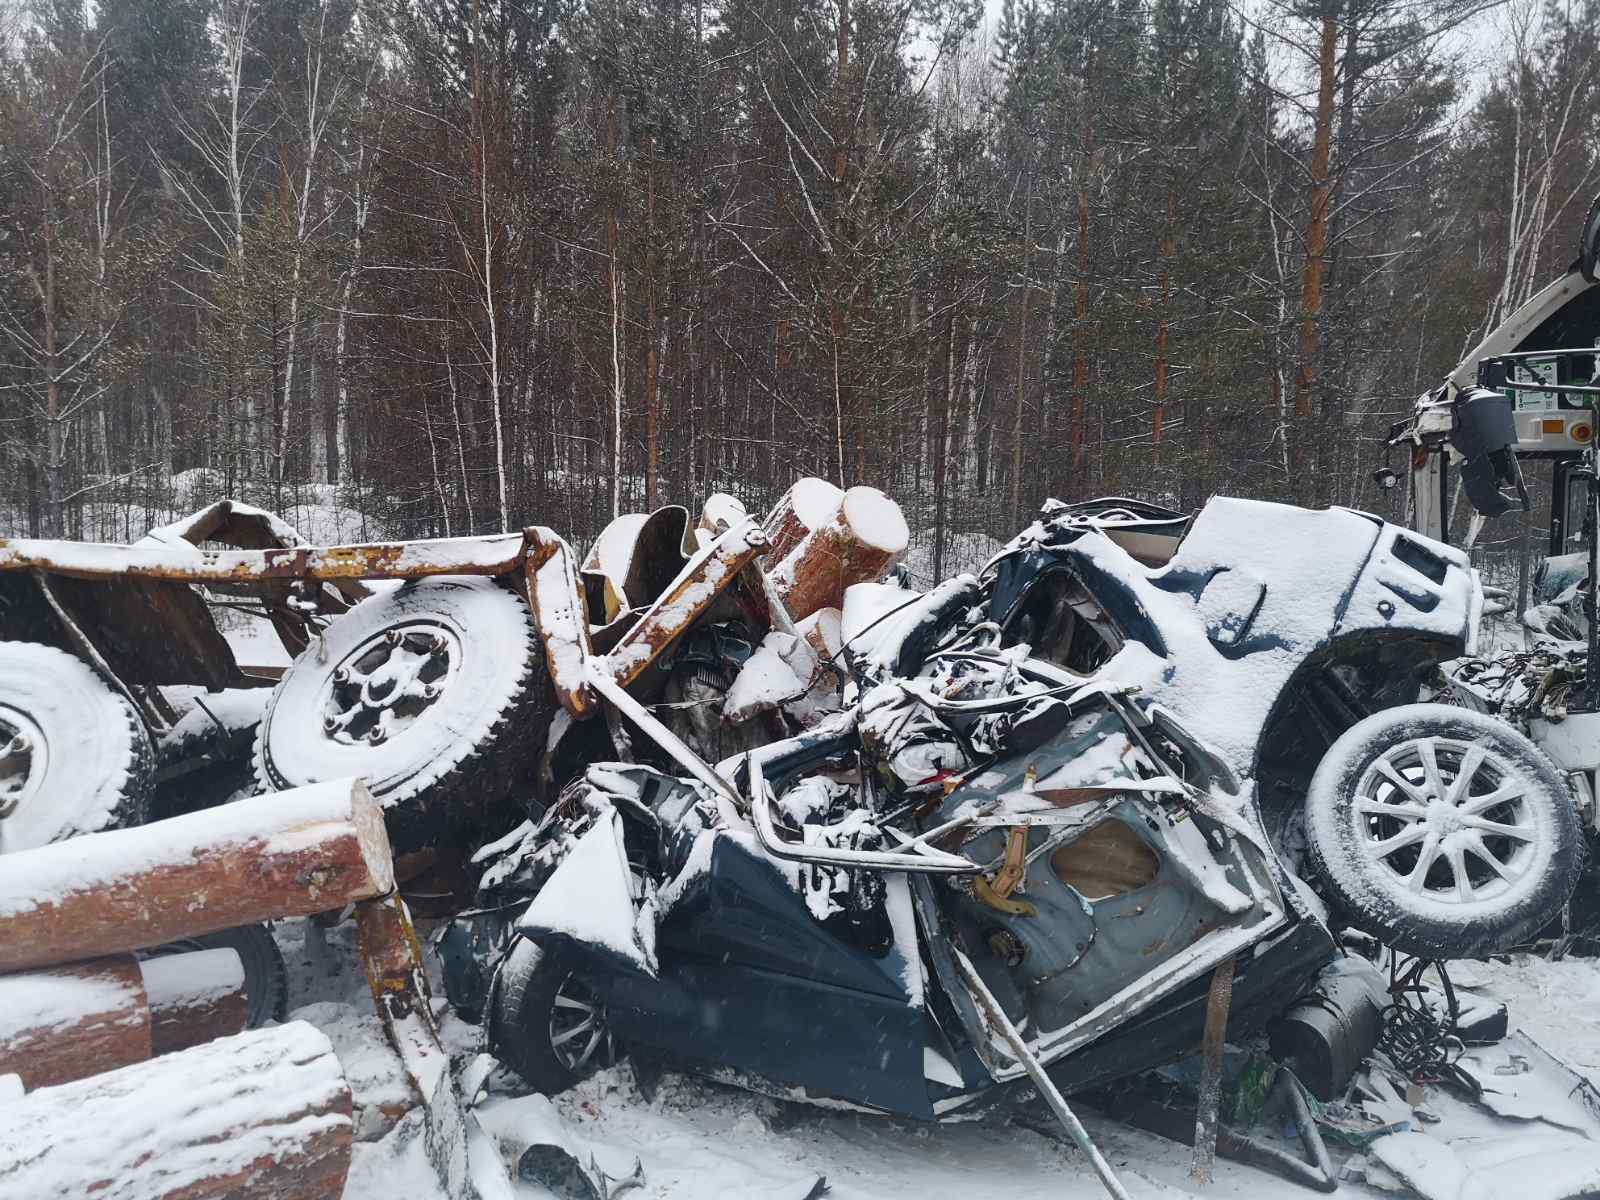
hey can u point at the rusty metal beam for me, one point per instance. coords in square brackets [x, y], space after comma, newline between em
[494, 554]
[551, 584]
[703, 579]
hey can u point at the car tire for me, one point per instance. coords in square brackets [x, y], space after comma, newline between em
[74, 754]
[535, 1001]
[434, 693]
[1442, 832]
[266, 979]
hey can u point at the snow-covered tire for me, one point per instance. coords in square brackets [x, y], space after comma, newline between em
[74, 755]
[542, 1023]
[1442, 832]
[266, 979]
[434, 692]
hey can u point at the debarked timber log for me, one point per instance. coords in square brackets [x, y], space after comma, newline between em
[65, 1023]
[264, 1115]
[857, 543]
[194, 997]
[280, 855]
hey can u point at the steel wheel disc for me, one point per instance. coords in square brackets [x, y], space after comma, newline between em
[24, 755]
[389, 682]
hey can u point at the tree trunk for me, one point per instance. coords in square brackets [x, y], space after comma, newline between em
[652, 359]
[1022, 355]
[281, 855]
[1316, 247]
[942, 448]
[66, 1023]
[614, 277]
[1080, 307]
[1159, 416]
[194, 997]
[265, 1115]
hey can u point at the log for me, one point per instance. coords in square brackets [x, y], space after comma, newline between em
[11, 1088]
[858, 545]
[69, 1022]
[264, 1115]
[195, 997]
[808, 505]
[282, 855]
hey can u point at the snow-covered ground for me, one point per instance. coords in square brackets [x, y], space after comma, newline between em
[697, 1140]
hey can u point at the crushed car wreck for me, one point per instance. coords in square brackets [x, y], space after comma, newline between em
[1046, 777]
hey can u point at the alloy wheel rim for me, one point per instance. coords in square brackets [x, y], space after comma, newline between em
[577, 1027]
[1446, 820]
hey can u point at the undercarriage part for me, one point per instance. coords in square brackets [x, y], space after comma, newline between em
[1442, 832]
[1144, 1111]
[1219, 998]
[434, 692]
[994, 1016]
[1326, 1035]
[74, 755]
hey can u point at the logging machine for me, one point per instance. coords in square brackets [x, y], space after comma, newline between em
[1526, 392]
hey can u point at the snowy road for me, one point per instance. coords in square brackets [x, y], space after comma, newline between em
[699, 1141]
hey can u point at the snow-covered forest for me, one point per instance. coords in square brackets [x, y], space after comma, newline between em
[462, 265]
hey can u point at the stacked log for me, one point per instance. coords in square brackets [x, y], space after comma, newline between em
[809, 504]
[64, 1023]
[261, 1114]
[137, 1080]
[821, 548]
[288, 854]
[194, 998]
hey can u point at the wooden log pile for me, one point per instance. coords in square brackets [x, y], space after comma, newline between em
[260, 1114]
[135, 1079]
[823, 540]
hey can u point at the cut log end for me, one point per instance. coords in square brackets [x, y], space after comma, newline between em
[858, 545]
[876, 520]
[194, 998]
[810, 504]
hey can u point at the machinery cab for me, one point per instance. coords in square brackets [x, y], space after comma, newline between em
[1526, 392]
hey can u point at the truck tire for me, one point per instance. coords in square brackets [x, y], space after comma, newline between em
[74, 754]
[1442, 832]
[434, 693]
